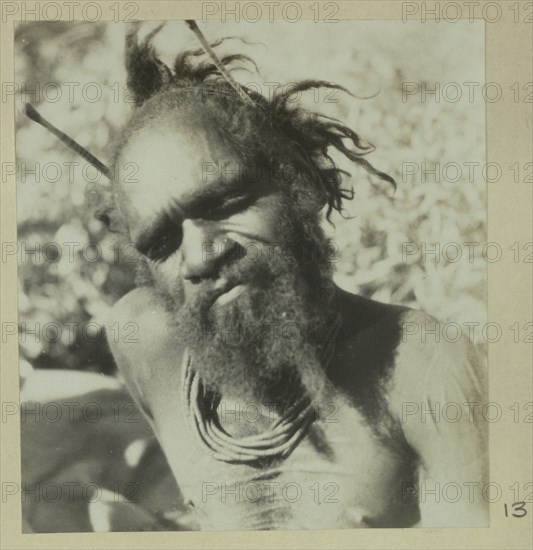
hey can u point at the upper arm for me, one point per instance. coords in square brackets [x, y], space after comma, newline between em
[132, 353]
[146, 359]
[439, 396]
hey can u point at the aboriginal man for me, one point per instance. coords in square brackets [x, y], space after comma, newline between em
[238, 313]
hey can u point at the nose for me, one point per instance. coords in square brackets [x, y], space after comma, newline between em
[202, 250]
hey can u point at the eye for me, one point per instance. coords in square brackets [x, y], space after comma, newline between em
[165, 245]
[231, 205]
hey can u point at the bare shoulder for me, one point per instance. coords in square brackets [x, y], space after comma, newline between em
[143, 332]
[428, 350]
[143, 309]
[435, 366]
[138, 303]
[411, 339]
[400, 354]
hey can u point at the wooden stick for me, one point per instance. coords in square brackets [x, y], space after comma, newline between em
[32, 114]
[218, 64]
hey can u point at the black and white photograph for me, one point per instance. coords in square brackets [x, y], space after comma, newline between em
[252, 275]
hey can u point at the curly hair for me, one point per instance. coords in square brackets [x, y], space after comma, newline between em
[273, 132]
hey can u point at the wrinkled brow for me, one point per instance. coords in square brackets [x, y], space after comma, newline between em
[197, 203]
[211, 195]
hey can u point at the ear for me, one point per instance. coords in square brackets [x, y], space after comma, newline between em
[308, 192]
[100, 200]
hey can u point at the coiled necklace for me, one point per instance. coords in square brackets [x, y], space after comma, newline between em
[278, 441]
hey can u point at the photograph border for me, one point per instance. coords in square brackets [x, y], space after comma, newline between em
[509, 58]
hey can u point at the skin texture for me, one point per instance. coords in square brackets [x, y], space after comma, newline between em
[364, 457]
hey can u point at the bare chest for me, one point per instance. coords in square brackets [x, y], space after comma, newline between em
[342, 474]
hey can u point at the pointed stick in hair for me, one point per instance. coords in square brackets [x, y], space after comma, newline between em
[32, 114]
[216, 61]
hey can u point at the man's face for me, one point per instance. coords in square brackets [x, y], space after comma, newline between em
[190, 213]
[219, 242]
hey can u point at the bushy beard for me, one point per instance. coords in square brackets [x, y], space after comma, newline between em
[264, 344]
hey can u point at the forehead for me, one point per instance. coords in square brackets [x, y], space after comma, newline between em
[160, 165]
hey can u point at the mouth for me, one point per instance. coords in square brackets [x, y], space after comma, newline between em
[228, 293]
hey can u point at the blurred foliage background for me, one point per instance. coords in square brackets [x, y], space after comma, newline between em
[77, 74]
